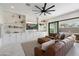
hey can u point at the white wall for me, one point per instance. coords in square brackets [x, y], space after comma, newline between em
[65, 16]
[1, 22]
[26, 36]
[1, 17]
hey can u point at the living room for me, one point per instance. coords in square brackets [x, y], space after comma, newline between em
[25, 27]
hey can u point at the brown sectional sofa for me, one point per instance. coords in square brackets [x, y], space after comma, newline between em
[51, 37]
[59, 48]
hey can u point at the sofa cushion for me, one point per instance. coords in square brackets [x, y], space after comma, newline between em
[46, 44]
[61, 36]
[65, 40]
[59, 45]
[73, 37]
[43, 40]
[70, 38]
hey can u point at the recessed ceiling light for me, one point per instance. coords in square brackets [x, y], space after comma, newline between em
[12, 7]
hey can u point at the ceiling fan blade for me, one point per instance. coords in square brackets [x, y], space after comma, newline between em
[50, 10]
[44, 6]
[50, 7]
[38, 7]
[40, 13]
[44, 13]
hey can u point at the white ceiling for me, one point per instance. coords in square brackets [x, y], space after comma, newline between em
[21, 8]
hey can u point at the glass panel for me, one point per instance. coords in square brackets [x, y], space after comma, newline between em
[53, 27]
[69, 26]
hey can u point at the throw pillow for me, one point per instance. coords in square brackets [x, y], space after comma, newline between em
[46, 44]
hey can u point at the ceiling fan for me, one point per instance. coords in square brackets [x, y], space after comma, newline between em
[44, 10]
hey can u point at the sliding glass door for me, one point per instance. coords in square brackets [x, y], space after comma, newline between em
[53, 27]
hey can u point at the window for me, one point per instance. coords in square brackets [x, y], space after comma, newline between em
[53, 27]
[69, 26]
